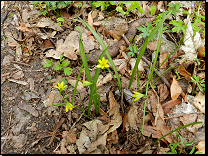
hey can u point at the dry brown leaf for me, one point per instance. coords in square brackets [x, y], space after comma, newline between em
[90, 19]
[151, 45]
[150, 130]
[190, 118]
[97, 23]
[163, 92]
[201, 52]
[92, 135]
[51, 99]
[46, 45]
[114, 112]
[103, 80]
[23, 28]
[175, 89]
[164, 130]
[170, 104]
[63, 150]
[28, 108]
[199, 102]
[113, 138]
[47, 22]
[118, 31]
[159, 5]
[70, 47]
[201, 75]
[95, 144]
[201, 147]
[64, 14]
[70, 136]
[18, 75]
[182, 71]
[155, 104]
[162, 57]
[132, 118]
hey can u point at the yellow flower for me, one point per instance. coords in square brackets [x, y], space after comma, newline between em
[86, 83]
[61, 86]
[69, 106]
[138, 95]
[103, 63]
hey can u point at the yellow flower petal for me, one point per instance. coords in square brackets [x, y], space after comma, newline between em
[103, 63]
[69, 106]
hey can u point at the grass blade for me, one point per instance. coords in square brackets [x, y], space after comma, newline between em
[106, 52]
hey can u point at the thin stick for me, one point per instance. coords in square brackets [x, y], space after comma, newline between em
[20, 63]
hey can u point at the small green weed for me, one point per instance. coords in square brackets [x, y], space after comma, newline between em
[67, 70]
[173, 146]
[200, 84]
[44, 6]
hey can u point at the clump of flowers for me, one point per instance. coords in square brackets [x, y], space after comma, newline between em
[68, 105]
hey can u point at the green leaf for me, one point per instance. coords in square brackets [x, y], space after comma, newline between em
[50, 63]
[67, 71]
[61, 19]
[189, 143]
[59, 24]
[65, 63]
[140, 9]
[57, 67]
[152, 10]
[134, 5]
[173, 147]
[192, 150]
[43, 12]
[120, 9]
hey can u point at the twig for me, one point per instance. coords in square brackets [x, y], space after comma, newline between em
[9, 127]
[20, 63]
[149, 64]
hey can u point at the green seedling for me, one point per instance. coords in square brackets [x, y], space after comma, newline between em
[44, 6]
[197, 60]
[174, 8]
[152, 10]
[173, 146]
[178, 26]
[200, 84]
[178, 76]
[147, 30]
[81, 5]
[67, 70]
[119, 6]
[133, 50]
